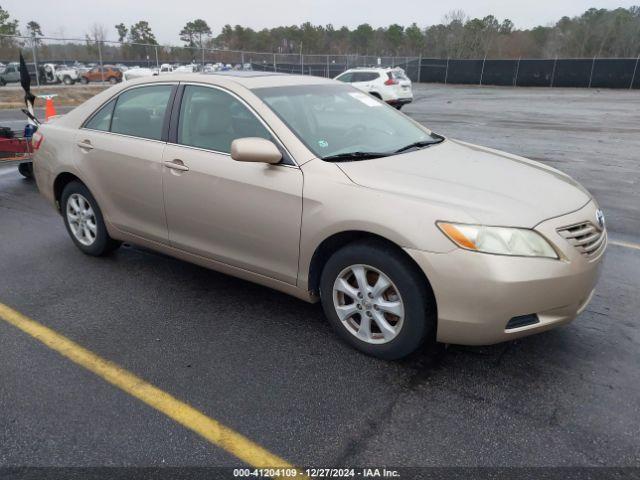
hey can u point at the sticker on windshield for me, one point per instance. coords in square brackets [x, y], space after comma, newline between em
[366, 99]
[323, 143]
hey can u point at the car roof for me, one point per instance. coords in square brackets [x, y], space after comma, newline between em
[247, 79]
[371, 69]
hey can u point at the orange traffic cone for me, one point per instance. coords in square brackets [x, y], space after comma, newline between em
[49, 109]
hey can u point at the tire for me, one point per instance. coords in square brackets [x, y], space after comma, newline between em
[399, 106]
[2, 82]
[375, 94]
[67, 80]
[26, 169]
[112, 80]
[101, 243]
[418, 322]
[84, 80]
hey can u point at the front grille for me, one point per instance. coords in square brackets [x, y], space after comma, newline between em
[586, 237]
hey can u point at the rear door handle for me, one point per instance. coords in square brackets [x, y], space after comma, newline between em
[176, 165]
[85, 144]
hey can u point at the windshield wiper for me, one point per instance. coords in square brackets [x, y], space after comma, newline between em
[341, 157]
[420, 144]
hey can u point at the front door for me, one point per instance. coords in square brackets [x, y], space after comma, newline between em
[242, 214]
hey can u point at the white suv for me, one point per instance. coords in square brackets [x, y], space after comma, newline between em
[388, 84]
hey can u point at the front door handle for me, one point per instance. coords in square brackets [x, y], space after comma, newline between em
[85, 144]
[176, 165]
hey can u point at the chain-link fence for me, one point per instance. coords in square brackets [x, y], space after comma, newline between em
[45, 54]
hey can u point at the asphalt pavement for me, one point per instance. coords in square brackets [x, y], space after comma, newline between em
[269, 366]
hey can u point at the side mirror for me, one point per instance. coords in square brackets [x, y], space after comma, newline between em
[255, 149]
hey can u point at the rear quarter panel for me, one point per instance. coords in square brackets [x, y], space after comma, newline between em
[55, 156]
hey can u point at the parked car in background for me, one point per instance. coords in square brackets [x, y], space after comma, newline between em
[107, 73]
[390, 85]
[138, 72]
[11, 73]
[52, 73]
[314, 188]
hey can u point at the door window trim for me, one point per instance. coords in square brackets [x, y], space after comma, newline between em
[287, 158]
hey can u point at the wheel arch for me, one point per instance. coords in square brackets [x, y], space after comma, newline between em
[376, 94]
[61, 181]
[335, 242]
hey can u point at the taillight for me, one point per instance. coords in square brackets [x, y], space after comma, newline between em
[36, 140]
[391, 80]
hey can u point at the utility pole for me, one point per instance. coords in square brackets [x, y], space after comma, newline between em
[100, 60]
[35, 59]
[593, 64]
[633, 77]
[446, 72]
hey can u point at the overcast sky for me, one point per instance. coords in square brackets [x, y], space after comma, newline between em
[73, 17]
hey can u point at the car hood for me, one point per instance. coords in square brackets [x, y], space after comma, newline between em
[491, 187]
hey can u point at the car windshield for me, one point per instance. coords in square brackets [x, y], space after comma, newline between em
[338, 122]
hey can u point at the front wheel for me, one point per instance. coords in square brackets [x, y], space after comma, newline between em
[113, 80]
[67, 80]
[377, 300]
[84, 221]
[84, 80]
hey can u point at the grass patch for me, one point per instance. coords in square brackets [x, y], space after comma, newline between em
[67, 96]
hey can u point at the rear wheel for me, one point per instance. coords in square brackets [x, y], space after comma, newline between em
[26, 169]
[84, 80]
[377, 300]
[84, 221]
[113, 80]
[67, 80]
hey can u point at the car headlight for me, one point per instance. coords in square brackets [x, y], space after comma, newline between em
[498, 240]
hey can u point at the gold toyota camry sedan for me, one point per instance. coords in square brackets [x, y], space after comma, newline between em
[311, 187]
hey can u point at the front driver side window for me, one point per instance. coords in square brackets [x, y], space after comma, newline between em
[212, 119]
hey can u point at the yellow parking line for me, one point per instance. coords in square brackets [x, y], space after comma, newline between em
[621, 243]
[208, 428]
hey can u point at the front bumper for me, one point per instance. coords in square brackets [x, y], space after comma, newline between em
[477, 294]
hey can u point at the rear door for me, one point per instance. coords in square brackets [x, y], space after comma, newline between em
[119, 151]
[242, 214]
[366, 81]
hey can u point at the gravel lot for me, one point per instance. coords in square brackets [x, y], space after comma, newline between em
[270, 367]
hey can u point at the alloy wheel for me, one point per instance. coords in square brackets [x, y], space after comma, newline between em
[368, 304]
[81, 219]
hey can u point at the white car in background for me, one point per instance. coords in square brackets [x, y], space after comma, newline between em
[390, 85]
[60, 74]
[138, 72]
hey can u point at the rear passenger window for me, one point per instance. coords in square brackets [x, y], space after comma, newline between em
[367, 76]
[212, 119]
[102, 119]
[140, 112]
